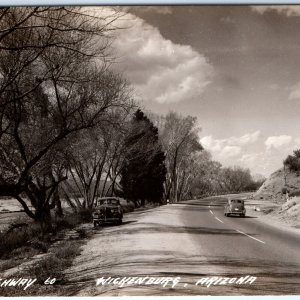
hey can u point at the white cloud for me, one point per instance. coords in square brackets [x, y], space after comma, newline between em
[295, 92]
[278, 141]
[262, 156]
[288, 10]
[230, 151]
[216, 145]
[297, 141]
[248, 138]
[159, 69]
[226, 149]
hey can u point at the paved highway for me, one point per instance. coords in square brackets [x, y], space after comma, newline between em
[190, 241]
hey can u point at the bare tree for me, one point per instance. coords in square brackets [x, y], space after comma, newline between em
[180, 140]
[95, 160]
[54, 83]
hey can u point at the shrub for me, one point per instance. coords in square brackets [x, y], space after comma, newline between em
[293, 161]
[82, 233]
[20, 235]
[85, 215]
[67, 250]
[54, 264]
[48, 267]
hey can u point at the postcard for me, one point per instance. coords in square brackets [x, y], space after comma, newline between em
[150, 150]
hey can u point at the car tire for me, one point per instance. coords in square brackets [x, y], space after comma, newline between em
[120, 221]
[95, 224]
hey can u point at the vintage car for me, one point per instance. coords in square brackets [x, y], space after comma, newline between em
[235, 207]
[107, 210]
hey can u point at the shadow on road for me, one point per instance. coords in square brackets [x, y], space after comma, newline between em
[146, 228]
[246, 217]
[106, 225]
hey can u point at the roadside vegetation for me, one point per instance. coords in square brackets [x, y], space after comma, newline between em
[70, 131]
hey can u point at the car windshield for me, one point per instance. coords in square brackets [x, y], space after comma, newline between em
[108, 202]
[237, 201]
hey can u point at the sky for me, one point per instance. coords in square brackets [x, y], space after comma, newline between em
[235, 68]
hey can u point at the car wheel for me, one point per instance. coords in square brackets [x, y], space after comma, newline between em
[120, 221]
[225, 214]
[95, 224]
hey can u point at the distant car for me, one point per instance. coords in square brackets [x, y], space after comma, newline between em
[107, 210]
[235, 207]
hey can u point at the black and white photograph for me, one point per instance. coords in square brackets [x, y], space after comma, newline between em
[150, 150]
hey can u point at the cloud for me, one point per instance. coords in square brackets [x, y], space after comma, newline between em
[224, 149]
[288, 10]
[230, 151]
[262, 156]
[295, 92]
[218, 144]
[297, 141]
[248, 138]
[278, 141]
[159, 69]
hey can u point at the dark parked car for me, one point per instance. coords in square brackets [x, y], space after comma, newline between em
[107, 210]
[235, 207]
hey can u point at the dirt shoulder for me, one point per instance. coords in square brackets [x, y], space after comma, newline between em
[285, 215]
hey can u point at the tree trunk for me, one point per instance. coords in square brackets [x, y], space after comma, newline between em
[58, 207]
[43, 216]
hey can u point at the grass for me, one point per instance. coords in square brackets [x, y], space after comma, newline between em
[16, 238]
[66, 250]
[55, 263]
[52, 266]
[8, 264]
[22, 241]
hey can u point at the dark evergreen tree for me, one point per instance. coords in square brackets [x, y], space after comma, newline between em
[144, 170]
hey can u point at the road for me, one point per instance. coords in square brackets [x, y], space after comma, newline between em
[191, 240]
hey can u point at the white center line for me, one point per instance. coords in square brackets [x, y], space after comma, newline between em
[219, 220]
[250, 236]
[211, 212]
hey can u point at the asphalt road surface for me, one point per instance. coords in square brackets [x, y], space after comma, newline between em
[189, 241]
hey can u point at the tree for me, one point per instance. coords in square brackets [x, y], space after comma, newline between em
[205, 172]
[94, 161]
[180, 141]
[53, 84]
[235, 179]
[293, 161]
[143, 173]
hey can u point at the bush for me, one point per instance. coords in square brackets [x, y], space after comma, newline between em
[54, 264]
[85, 215]
[82, 233]
[127, 205]
[293, 161]
[48, 267]
[67, 250]
[17, 237]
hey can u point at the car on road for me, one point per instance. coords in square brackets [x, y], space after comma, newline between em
[107, 210]
[235, 207]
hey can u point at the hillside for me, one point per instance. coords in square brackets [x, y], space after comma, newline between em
[273, 186]
[274, 202]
